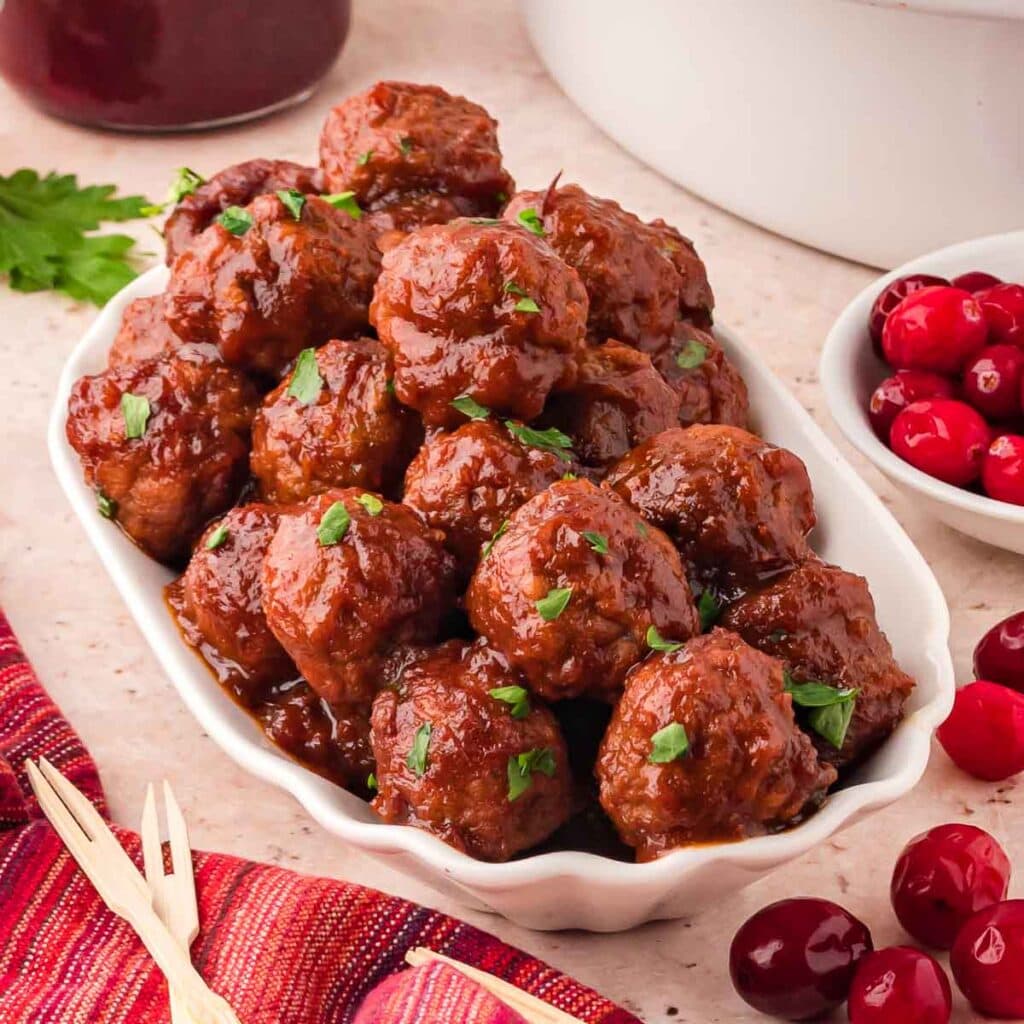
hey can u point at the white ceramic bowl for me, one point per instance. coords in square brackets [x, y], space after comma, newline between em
[568, 889]
[872, 130]
[850, 371]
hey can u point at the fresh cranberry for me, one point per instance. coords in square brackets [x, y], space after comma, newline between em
[936, 329]
[999, 655]
[984, 734]
[890, 297]
[945, 875]
[988, 960]
[1002, 471]
[975, 280]
[943, 438]
[1003, 307]
[992, 380]
[795, 959]
[904, 388]
[897, 985]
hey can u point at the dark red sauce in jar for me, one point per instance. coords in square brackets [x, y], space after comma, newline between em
[166, 64]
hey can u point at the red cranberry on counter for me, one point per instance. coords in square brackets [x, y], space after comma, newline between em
[1002, 470]
[943, 438]
[975, 280]
[890, 297]
[899, 985]
[999, 655]
[988, 960]
[943, 876]
[937, 328]
[992, 381]
[984, 734]
[1003, 307]
[795, 959]
[904, 388]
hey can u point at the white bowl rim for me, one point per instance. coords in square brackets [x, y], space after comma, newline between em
[850, 328]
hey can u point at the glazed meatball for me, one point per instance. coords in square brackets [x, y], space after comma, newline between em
[346, 431]
[709, 387]
[488, 776]
[219, 604]
[737, 507]
[569, 592]
[820, 621]
[144, 333]
[631, 270]
[467, 483]
[237, 185]
[348, 582]
[279, 286]
[398, 138]
[187, 458]
[619, 399]
[703, 747]
[391, 220]
[486, 310]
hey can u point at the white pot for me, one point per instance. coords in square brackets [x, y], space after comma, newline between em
[872, 130]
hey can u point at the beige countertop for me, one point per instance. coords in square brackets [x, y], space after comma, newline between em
[87, 650]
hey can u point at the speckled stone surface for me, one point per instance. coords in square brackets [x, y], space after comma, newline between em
[782, 297]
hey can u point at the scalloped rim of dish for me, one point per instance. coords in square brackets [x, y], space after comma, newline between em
[324, 801]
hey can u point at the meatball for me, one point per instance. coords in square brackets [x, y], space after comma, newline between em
[414, 210]
[469, 482]
[165, 443]
[237, 185]
[398, 137]
[704, 747]
[219, 604]
[737, 507]
[348, 582]
[481, 309]
[489, 776]
[144, 333]
[338, 426]
[280, 285]
[820, 621]
[640, 278]
[568, 594]
[709, 387]
[619, 399]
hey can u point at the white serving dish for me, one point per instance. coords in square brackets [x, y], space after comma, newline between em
[568, 889]
[850, 371]
[874, 130]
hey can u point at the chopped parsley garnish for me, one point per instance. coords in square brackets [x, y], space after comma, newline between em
[501, 197]
[235, 219]
[511, 288]
[709, 607]
[185, 182]
[597, 541]
[669, 744]
[293, 201]
[371, 503]
[830, 708]
[405, 145]
[345, 201]
[657, 643]
[569, 477]
[485, 220]
[334, 525]
[364, 158]
[107, 507]
[522, 766]
[516, 697]
[550, 440]
[469, 406]
[417, 759]
[641, 528]
[498, 533]
[389, 386]
[306, 382]
[530, 219]
[135, 412]
[371, 782]
[554, 603]
[691, 355]
[218, 537]
[527, 305]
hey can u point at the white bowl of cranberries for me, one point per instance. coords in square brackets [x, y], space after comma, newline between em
[924, 374]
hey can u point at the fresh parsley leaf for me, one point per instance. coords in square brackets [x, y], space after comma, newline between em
[371, 782]
[551, 440]
[569, 477]
[364, 158]
[691, 355]
[405, 145]
[830, 707]
[106, 507]
[499, 532]
[235, 219]
[527, 305]
[135, 412]
[530, 219]
[333, 525]
[306, 382]
[669, 744]
[43, 240]
[185, 182]
[218, 537]
[656, 642]
[553, 603]
[293, 201]
[515, 697]
[417, 759]
[709, 607]
[389, 386]
[470, 407]
[345, 201]
[641, 528]
[833, 722]
[522, 766]
[371, 503]
[597, 541]
[511, 288]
